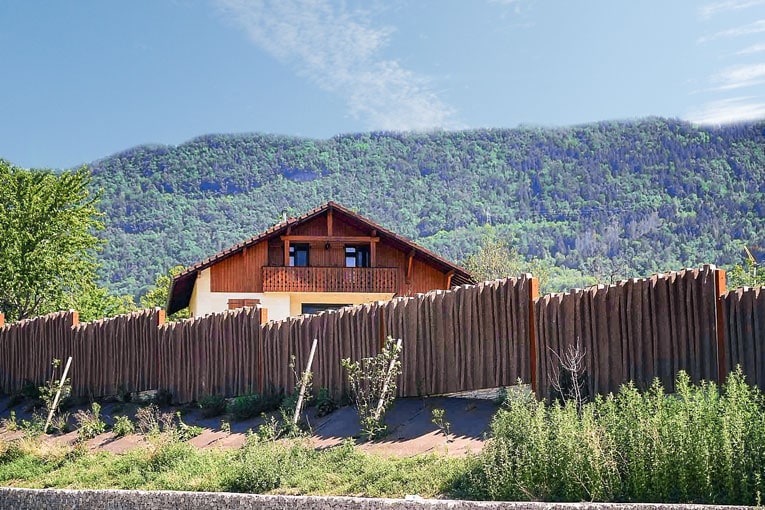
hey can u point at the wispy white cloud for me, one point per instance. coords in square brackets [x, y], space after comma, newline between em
[518, 5]
[338, 50]
[755, 48]
[739, 77]
[751, 28]
[708, 10]
[725, 111]
[723, 87]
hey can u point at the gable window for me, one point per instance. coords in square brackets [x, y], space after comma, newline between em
[357, 256]
[298, 255]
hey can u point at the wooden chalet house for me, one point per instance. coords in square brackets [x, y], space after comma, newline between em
[327, 258]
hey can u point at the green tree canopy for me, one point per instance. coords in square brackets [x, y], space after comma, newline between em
[47, 241]
[497, 259]
[157, 295]
[746, 274]
[94, 302]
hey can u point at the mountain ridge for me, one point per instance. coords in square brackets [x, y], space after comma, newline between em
[654, 194]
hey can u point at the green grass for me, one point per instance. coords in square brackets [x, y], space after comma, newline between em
[275, 467]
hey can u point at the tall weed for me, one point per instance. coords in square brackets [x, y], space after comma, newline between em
[701, 444]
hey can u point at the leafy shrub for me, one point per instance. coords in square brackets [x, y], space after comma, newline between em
[169, 455]
[123, 426]
[149, 420]
[325, 404]
[249, 406]
[700, 445]
[212, 405]
[269, 430]
[367, 378]
[89, 423]
[184, 432]
[438, 418]
[10, 424]
[51, 388]
[34, 426]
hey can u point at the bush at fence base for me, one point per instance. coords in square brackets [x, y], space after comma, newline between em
[249, 406]
[699, 445]
[372, 382]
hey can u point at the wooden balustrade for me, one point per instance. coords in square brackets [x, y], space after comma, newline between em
[330, 279]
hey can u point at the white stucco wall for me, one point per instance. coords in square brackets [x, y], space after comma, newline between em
[203, 301]
[280, 305]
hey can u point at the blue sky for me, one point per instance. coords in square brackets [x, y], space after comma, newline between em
[83, 79]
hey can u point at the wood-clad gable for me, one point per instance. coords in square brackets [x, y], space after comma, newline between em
[243, 272]
[240, 272]
[386, 260]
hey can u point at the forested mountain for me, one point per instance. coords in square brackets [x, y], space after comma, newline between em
[613, 198]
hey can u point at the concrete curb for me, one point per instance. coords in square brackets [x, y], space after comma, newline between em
[50, 499]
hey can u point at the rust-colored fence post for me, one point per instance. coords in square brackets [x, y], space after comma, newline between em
[2, 320]
[160, 316]
[261, 329]
[533, 296]
[719, 293]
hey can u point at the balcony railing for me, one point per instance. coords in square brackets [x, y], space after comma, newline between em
[330, 279]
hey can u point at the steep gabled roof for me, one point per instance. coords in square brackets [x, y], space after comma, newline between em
[183, 283]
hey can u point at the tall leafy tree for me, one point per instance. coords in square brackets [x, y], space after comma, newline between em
[47, 240]
[94, 302]
[156, 296]
[497, 259]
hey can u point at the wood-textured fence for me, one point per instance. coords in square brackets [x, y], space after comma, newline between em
[635, 330]
[134, 352]
[471, 337]
[27, 348]
[744, 320]
[218, 354]
[468, 338]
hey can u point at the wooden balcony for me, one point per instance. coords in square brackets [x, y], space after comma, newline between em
[330, 279]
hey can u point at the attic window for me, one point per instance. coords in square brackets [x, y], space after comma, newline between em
[298, 255]
[357, 256]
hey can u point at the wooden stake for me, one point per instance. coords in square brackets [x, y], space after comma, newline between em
[533, 362]
[722, 364]
[378, 411]
[304, 382]
[58, 395]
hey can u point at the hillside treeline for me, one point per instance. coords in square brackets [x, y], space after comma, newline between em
[612, 199]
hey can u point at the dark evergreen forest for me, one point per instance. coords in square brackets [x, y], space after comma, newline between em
[613, 199]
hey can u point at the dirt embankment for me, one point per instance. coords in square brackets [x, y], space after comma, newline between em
[410, 422]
